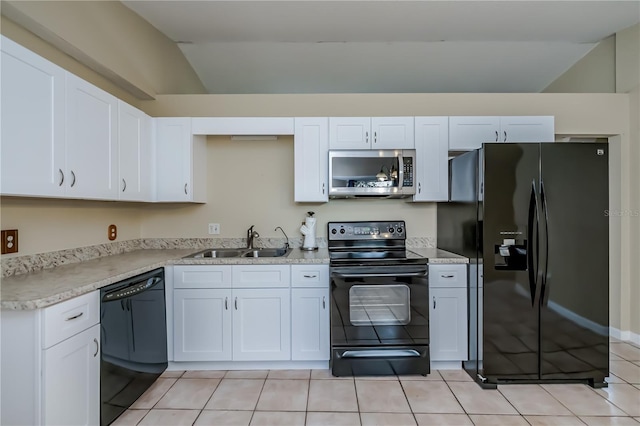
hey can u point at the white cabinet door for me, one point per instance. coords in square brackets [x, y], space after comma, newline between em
[180, 161]
[134, 152]
[33, 123]
[349, 132]
[432, 158]
[468, 133]
[448, 312]
[392, 133]
[261, 324]
[310, 324]
[92, 148]
[202, 325]
[311, 167]
[448, 324]
[71, 371]
[371, 133]
[527, 129]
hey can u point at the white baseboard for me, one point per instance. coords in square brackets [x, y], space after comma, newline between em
[625, 335]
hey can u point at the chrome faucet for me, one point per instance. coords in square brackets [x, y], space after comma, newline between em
[286, 245]
[251, 234]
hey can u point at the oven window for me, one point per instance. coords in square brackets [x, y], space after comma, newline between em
[379, 305]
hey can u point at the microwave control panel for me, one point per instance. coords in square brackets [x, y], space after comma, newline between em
[407, 170]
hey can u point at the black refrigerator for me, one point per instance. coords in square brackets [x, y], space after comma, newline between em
[533, 219]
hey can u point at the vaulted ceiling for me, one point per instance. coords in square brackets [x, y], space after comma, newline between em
[384, 46]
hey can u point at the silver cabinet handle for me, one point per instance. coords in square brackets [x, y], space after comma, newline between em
[366, 137]
[434, 302]
[185, 189]
[75, 316]
[505, 135]
[97, 347]
[226, 303]
[497, 136]
[419, 187]
[236, 303]
[61, 177]
[375, 137]
[323, 187]
[447, 276]
[310, 276]
[73, 176]
[124, 185]
[323, 304]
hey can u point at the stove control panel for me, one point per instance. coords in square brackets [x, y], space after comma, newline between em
[366, 230]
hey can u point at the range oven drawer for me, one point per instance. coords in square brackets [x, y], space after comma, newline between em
[380, 361]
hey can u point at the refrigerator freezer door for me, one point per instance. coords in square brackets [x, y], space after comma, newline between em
[510, 311]
[574, 314]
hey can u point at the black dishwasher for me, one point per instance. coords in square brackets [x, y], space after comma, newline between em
[133, 332]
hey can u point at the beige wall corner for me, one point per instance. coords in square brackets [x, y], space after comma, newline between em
[112, 40]
[594, 73]
[628, 59]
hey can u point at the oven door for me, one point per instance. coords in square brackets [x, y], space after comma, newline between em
[380, 320]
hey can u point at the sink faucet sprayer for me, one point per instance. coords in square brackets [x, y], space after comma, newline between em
[251, 234]
[286, 245]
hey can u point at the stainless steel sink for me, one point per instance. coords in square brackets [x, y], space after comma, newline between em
[219, 253]
[267, 252]
[241, 252]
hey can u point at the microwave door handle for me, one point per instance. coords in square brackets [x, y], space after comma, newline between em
[400, 171]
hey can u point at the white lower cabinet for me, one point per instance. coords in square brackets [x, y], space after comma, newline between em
[251, 313]
[261, 324]
[202, 325]
[232, 313]
[51, 364]
[71, 371]
[310, 312]
[448, 312]
[310, 324]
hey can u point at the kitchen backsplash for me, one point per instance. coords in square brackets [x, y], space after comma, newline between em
[37, 262]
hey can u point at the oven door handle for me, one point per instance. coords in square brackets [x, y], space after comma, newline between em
[380, 353]
[393, 274]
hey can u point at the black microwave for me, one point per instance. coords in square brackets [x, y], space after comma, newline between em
[387, 173]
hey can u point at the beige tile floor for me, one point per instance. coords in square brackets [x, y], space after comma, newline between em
[315, 397]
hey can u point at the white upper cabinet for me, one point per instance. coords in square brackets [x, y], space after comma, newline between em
[392, 133]
[527, 129]
[180, 161]
[33, 123]
[467, 133]
[371, 133]
[247, 126]
[432, 146]
[134, 151]
[311, 168]
[92, 141]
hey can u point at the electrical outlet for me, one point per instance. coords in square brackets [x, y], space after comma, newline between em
[10, 241]
[214, 229]
[112, 232]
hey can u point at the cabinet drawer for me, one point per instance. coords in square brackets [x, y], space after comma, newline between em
[447, 275]
[309, 275]
[202, 276]
[261, 276]
[61, 321]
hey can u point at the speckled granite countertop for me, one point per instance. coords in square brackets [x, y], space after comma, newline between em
[49, 286]
[437, 256]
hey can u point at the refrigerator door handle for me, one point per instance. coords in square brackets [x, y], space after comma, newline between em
[531, 221]
[544, 294]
